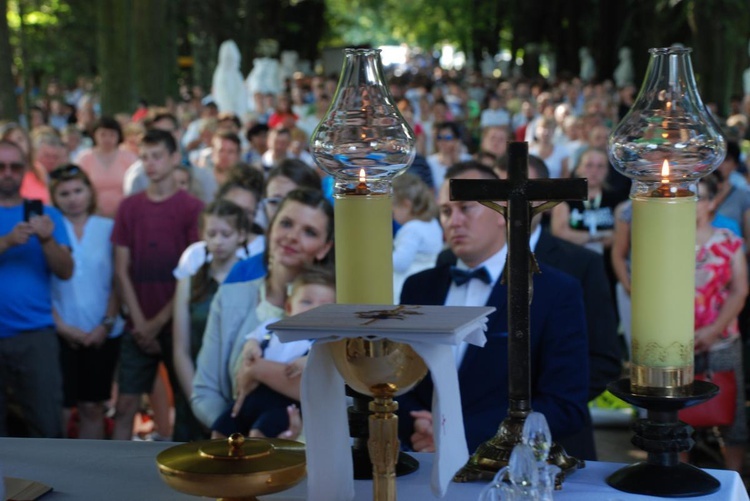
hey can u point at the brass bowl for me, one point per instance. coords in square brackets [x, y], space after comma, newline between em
[378, 367]
[238, 468]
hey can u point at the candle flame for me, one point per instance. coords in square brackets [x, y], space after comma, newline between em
[665, 171]
[362, 177]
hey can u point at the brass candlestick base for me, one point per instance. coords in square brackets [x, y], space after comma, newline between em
[383, 369]
[494, 454]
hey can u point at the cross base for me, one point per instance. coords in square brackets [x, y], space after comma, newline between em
[494, 454]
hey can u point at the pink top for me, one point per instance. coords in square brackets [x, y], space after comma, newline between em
[107, 179]
[32, 187]
[713, 274]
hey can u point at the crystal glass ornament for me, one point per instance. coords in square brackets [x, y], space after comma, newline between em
[536, 435]
[523, 472]
[498, 489]
[363, 132]
[668, 121]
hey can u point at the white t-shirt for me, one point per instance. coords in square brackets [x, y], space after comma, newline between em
[415, 248]
[196, 256]
[276, 351]
[82, 300]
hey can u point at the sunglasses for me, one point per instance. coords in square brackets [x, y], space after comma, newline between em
[15, 167]
[447, 137]
[65, 172]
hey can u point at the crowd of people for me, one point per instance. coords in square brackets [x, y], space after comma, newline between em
[170, 238]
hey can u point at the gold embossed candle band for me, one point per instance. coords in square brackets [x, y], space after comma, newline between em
[662, 292]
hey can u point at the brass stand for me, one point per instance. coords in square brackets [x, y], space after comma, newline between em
[383, 448]
[383, 369]
[359, 423]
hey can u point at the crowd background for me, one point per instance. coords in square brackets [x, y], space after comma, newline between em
[253, 152]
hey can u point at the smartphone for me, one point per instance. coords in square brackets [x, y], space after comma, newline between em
[32, 208]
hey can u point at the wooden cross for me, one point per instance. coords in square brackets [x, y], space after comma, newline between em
[519, 192]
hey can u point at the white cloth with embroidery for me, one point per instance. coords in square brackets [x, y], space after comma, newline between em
[329, 459]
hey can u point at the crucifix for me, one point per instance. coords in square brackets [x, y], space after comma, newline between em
[519, 194]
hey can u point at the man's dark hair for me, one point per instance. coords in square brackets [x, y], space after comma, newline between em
[256, 130]
[734, 152]
[228, 116]
[162, 116]
[536, 163]
[229, 136]
[301, 174]
[156, 136]
[453, 126]
[245, 177]
[470, 165]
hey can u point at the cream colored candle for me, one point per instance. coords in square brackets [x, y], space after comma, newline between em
[662, 293]
[364, 249]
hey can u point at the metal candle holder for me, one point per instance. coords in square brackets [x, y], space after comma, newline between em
[663, 436]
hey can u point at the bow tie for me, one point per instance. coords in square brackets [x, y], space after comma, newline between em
[461, 277]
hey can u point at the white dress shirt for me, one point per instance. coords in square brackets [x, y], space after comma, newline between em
[475, 292]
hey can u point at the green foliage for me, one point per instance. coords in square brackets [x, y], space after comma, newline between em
[52, 38]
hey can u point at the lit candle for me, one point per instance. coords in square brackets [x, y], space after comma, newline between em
[364, 245]
[663, 288]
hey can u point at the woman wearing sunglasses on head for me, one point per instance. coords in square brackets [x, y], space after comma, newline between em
[85, 307]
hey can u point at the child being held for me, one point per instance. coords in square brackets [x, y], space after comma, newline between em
[420, 238]
[275, 367]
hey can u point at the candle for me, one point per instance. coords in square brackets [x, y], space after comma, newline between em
[662, 289]
[364, 246]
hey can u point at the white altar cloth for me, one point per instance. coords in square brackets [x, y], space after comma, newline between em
[126, 471]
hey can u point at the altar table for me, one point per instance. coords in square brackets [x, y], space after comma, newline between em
[126, 471]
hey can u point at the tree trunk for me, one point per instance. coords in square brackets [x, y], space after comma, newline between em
[8, 103]
[115, 56]
[153, 49]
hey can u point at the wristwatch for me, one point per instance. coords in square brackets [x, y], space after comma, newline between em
[109, 323]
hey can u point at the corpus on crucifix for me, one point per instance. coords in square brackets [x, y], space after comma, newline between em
[518, 198]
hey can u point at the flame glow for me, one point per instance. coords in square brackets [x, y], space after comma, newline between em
[665, 171]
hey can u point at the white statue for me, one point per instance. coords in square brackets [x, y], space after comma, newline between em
[624, 72]
[588, 68]
[264, 78]
[227, 89]
[289, 63]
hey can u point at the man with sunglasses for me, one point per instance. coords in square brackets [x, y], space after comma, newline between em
[31, 251]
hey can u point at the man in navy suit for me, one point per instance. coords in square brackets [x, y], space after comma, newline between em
[559, 361]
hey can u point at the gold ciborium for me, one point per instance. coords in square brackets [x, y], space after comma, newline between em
[382, 369]
[236, 469]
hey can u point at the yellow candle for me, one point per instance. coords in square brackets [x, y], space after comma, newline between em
[662, 293]
[364, 248]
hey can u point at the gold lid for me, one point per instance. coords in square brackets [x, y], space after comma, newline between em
[237, 467]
